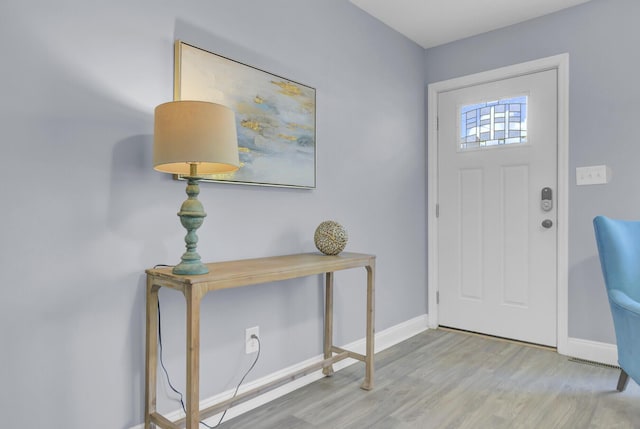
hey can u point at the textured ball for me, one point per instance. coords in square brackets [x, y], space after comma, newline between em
[330, 237]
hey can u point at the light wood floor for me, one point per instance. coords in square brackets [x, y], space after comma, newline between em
[442, 379]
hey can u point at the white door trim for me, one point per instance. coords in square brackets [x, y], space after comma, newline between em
[561, 64]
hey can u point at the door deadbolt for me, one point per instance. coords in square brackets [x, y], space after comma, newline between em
[547, 223]
[546, 199]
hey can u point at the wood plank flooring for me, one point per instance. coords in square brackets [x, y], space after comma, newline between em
[444, 379]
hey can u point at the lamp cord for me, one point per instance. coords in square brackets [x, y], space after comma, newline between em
[166, 373]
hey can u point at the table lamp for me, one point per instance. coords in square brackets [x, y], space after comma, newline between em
[193, 138]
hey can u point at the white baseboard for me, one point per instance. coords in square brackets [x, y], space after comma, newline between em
[383, 340]
[592, 350]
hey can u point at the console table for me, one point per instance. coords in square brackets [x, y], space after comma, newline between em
[232, 274]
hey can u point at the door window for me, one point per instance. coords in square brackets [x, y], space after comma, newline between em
[493, 123]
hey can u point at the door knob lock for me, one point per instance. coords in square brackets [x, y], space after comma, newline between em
[547, 223]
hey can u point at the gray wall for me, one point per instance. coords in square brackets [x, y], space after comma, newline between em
[84, 214]
[601, 38]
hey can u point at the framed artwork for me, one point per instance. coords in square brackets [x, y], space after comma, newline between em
[275, 116]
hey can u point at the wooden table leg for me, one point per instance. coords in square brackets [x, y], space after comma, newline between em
[192, 403]
[368, 377]
[328, 322]
[151, 353]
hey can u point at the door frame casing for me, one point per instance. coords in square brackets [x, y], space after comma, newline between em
[561, 64]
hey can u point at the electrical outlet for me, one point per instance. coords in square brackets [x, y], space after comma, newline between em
[251, 344]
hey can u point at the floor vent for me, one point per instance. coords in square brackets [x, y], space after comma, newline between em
[592, 363]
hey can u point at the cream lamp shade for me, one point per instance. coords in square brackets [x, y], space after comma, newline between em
[196, 133]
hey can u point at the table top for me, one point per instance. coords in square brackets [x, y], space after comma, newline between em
[244, 272]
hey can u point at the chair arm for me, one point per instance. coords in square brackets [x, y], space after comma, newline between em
[623, 300]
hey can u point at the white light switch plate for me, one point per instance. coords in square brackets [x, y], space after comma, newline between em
[593, 175]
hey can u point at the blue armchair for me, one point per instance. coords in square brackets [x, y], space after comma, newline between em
[619, 249]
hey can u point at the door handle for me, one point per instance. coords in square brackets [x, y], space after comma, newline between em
[547, 223]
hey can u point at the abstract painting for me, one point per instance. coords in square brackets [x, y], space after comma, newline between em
[275, 117]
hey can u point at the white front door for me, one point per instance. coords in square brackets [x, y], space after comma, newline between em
[497, 241]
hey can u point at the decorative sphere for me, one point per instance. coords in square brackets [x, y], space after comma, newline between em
[330, 237]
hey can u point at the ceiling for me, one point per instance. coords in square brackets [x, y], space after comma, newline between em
[436, 22]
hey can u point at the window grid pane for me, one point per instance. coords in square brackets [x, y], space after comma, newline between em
[494, 123]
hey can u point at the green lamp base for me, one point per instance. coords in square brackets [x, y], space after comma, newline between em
[190, 268]
[191, 216]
